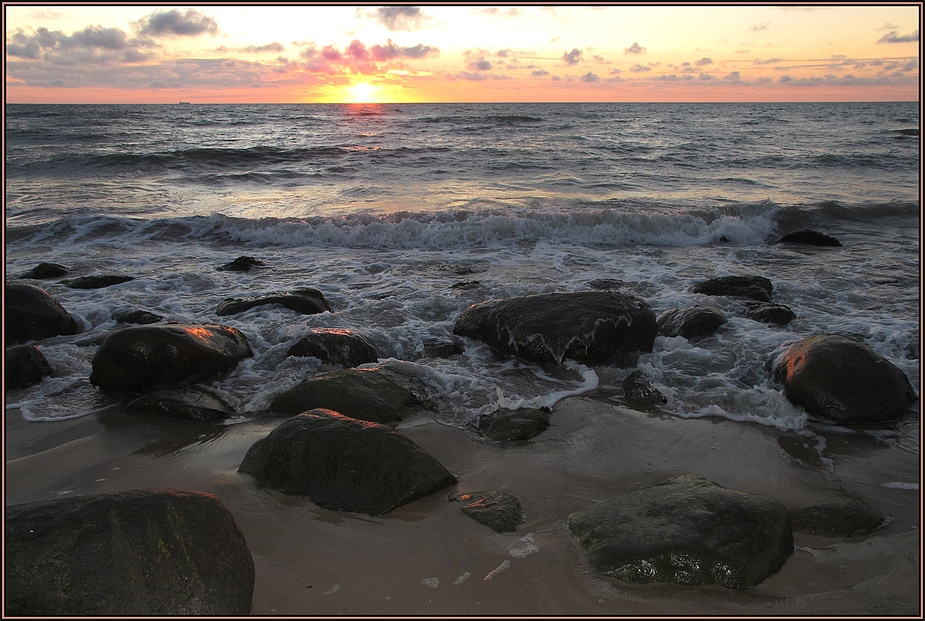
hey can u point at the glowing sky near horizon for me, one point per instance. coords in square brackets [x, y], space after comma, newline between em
[302, 53]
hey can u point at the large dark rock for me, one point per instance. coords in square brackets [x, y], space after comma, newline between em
[374, 394]
[809, 238]
[24, 366]
[344, 464]
[506, 425]
[98, 281]
[500, 511]
[306, 301]
[686, 530]
[31, 314]
[188, 403]
[585, 326]
[692, 322]
[45, 270]
[140, 358]
[158, 552]
[335, 346]
[754, 287]
[843, 380]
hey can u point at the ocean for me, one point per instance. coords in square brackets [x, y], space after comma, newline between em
[403, 215]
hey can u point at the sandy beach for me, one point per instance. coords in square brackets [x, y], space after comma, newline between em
[428, 558]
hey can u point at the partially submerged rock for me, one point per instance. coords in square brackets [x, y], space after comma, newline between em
[189, 403]
[754, 287]
[686, 530]
[139, 358]
[335, 346]
[241, 264]
[306, 301]
[45, 270]
[375, 394]
[809, 238]
[767, 312]
[506, 425]
[31, 314]
[640, 393]
[585, 326]
[691, 322]
[24, 366]
[138, 317]
[158, 552]
[444, 347]
[344, 464]
[499, 510]
[98, 281]
[843, 380]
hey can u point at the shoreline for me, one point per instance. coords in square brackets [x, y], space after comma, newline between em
[428, 558]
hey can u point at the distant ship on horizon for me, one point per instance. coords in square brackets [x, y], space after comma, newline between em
[184, 102]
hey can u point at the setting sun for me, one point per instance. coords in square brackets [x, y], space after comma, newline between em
[362, 92]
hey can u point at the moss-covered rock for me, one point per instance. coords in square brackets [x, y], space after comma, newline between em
[686, 530]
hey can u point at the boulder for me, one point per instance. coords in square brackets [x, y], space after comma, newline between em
[140, 358]
[754, 287]
[306, 301]
[766, 312]
[843, 380]
[691, 322]
[45, 270]
[505, 425]
[241, 264]
[839, 516]
[374, 394]
[335, 346]
[134, 553]
[501, 511]
[585, 326]
[24, 366]
[686, 530]
[190, 403]
[98, 281]
[809, 238]
[344, 464]
[31, 314]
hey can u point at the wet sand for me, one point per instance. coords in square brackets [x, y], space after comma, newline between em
[428, 558]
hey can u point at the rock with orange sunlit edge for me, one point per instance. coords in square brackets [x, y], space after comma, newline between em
[376, 394]
[344, 464]
[840, 379]
[336, 346]
[499, 510]
[141, 358]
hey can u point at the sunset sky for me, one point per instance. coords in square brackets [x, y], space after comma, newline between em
[431, 53]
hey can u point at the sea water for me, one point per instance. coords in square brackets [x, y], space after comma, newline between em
[403, 215]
